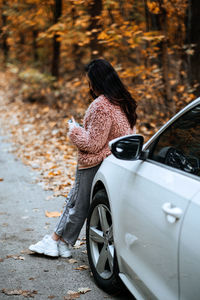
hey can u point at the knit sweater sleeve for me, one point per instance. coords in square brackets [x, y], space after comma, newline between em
[94, 138]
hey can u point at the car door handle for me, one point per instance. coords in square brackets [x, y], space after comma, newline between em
[170, 210]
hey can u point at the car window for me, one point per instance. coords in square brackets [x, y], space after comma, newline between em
[179, 145]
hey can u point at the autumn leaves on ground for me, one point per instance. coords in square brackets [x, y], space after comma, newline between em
[39, 137]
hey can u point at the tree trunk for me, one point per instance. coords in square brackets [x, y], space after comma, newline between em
[193, 38]
[34, 45]
[165, 60]
[56, 43]
[94, 10]
[4, 35]
[146, 11]
[159, 22]
[77, 51]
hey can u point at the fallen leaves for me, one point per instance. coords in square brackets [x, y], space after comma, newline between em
[56, 173]
[39, 138]
[24, 293]
[72, 261]
[16, 257]
[29, 229]
[76, 294]
[82, 267]
[79, 244]
[26, 251]
[84, 290]
[3, 213]
[72, 295]
[52, 214]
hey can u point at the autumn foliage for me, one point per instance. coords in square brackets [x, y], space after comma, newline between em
[45, 45]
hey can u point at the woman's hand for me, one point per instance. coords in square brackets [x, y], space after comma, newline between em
[72, 123]
[73, 120]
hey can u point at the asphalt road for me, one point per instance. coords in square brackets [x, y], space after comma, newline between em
[23, 222]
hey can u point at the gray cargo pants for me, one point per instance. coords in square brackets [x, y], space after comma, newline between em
[77, 206]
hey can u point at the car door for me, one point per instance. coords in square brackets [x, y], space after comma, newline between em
[189, 256]
[155, 197]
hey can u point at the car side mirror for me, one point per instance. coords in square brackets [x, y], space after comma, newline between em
[128, 147]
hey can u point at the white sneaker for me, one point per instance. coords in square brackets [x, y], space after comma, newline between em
[63, 249]
[46, 246]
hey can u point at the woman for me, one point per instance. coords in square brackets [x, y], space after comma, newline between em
[110, 115]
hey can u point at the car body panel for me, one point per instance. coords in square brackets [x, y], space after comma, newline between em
[189, 260]
[147, 241]
[142, 232]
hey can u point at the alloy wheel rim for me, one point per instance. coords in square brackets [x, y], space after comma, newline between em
[101, 241]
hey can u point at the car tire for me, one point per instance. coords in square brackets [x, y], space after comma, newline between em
[100, 245]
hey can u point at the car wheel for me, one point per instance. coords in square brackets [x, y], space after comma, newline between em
[100, 244]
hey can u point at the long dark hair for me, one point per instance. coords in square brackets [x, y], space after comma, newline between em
[105, 80]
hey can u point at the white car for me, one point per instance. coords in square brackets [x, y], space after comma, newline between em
[144, 221]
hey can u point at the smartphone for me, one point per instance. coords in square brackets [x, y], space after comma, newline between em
[70, 121]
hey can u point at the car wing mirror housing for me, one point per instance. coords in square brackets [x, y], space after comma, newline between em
[128, 147]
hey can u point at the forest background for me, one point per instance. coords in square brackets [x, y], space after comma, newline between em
[153, 44]
[44, 45]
